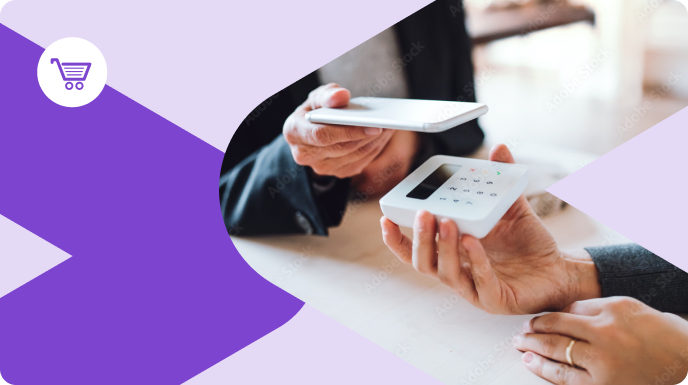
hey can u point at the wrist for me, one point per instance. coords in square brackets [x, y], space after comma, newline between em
[584, 277]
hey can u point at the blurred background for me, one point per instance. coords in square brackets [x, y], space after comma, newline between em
[582, 75]
[568, 81]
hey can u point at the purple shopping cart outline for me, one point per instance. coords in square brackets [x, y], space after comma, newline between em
[77, 72]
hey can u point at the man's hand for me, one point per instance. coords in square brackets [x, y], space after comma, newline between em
[340, 151]
[391, 166]
[516, 269]
[619, 340]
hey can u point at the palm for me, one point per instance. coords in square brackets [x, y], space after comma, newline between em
[526, 261]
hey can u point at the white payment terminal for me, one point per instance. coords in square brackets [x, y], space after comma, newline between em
[474, 193]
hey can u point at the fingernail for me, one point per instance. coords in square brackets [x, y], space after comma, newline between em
[528, 357]
[518, 340]
[465, 244]
[373, 130]
[526, 326]
[443, 229]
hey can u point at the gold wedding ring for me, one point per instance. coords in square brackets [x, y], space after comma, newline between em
[569, 349]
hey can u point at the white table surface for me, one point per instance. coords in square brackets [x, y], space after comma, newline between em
[352, 277]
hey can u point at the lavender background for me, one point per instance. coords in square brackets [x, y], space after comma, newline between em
[152, 290]
[639, 189]
[149, 295]
[240, 52]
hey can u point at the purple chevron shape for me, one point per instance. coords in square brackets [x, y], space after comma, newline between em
[639, 189]
[155, 291]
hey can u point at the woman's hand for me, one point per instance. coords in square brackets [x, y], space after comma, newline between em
[516, 269]
[335, 150]
[619, 340]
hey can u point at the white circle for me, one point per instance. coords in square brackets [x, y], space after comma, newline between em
[80, 76]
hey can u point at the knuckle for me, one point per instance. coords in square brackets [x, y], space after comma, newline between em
[321, 135]
[539, 368]
[314, 93]
[289, 128]
[301, 157]
[562, 375]
[320, 170]
[549, 346]
[549, 323]
[445, 278]
[358, 170]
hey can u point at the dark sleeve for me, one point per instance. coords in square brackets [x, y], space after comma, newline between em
[632, 271]
[441, 70]
[268, 193]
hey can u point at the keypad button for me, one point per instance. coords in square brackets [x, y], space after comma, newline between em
[476, 180]
[466, 190]
[456, 200]
[493, 195]
[443, 199]
[490, 182]
[469, 203]
[479, 192]
[452, 188]
[462, 179]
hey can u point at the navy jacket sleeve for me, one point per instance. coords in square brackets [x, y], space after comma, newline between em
[632, 271]
[268, 193]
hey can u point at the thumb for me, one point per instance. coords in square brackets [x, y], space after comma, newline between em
[500, 153]
[330, 95]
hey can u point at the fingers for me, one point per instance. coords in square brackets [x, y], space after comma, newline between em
[424, 248]
[449, 269]
[299, 131]
[356, 161]
[553, 346]
[571, 325]
[554, 372]
[590, 307]
[486, 282]
[500, 153]
[310, 153]
[396, 241]
[328, 95]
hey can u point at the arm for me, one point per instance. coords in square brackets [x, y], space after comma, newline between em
[630, 270]
[297, 183]
[268, 193]
[518, 268]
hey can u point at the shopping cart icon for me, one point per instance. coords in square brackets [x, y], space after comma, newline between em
[73, 72]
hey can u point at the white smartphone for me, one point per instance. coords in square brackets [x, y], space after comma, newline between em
[400, 114]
